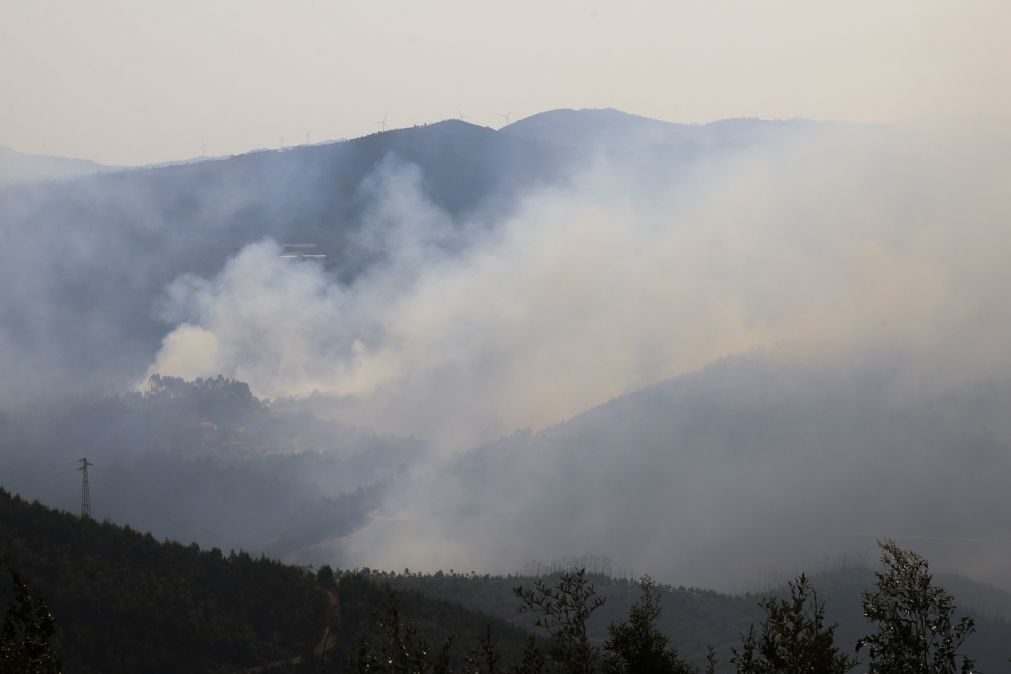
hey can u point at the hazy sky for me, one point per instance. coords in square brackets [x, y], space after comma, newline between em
[130, 81]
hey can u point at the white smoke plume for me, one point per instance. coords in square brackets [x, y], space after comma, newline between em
[613, 283]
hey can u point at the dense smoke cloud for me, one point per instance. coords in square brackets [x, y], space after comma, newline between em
[862, 268]
[610, 284]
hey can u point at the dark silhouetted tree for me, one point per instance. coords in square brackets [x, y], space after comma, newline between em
[400, 650]
[915, 629]
[637, 646]
[485, 658]
[325, 577]
[533, 661]
[711, 660]
[28, 626]
[793, 639]
[562, 611]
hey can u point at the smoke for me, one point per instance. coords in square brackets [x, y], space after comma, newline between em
[834, 238]
[862, 267]
[859, 269]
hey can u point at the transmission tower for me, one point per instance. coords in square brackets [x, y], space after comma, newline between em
[85, 489]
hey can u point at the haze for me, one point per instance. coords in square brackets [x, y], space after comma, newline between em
[710, 350]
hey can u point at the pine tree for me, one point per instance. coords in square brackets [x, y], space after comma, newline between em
[28, 627]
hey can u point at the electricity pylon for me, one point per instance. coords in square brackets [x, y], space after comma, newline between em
[85, 489]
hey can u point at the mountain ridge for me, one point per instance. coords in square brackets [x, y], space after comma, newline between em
[21, 168]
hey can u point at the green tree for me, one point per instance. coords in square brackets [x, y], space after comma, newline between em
[916, 630]
[794, 638]
[533, 661]
[325, 577]
[28, 626]
[711, 660]
[400, 650]
[562, 611]
[485, 658]
[637, 646]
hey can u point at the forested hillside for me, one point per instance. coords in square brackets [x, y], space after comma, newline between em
[126, 602]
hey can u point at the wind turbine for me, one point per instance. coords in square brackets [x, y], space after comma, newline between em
[382, 123]
[460, 115]
[506, 116]
[307, 134]
[282, 141]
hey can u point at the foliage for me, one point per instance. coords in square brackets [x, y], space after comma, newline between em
[400, 649]
[711, 661]
[485, 658]
[794, 638]
[368, 629]
[692, 618]
[534, 661]
[28, 628]
[562, 612]
[637, 646]
[915, 633]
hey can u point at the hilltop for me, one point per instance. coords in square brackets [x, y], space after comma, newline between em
[18, 167]
[126, 602]
[596, 129]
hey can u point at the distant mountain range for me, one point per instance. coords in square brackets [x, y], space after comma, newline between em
[118, 238]
[614, 129]
[16, 167]
[587, 128]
